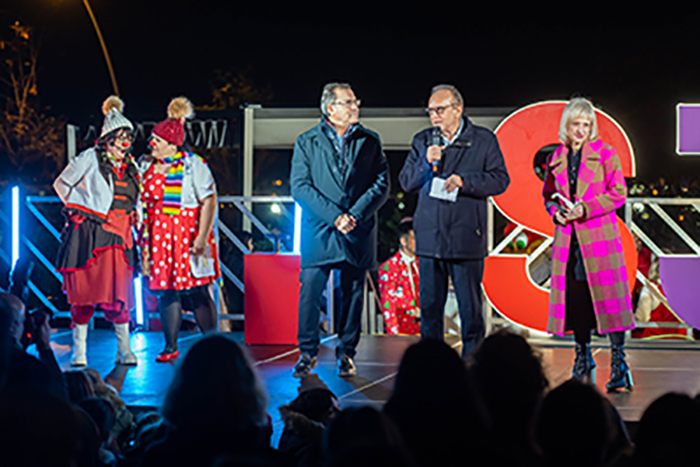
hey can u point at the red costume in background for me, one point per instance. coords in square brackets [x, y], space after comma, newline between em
[398, 287]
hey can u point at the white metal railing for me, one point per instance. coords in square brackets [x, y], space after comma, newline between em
[32, 204]
[240, 203]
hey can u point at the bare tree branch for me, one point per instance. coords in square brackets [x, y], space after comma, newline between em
[27, 137]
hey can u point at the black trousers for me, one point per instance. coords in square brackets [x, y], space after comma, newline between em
[466, 278]
[313, 281]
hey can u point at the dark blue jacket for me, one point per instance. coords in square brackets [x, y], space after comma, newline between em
[455, 230]
[324, 195]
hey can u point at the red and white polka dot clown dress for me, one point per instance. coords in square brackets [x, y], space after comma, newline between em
[170, 237]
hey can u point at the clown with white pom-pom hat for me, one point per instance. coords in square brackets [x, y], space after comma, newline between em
[97, 258]
[179, 250]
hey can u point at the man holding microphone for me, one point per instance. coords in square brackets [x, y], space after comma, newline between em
[455, 166]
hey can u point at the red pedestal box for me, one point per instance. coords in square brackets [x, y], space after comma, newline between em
[271, 298]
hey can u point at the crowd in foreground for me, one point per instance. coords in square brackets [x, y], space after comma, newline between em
[497, 408]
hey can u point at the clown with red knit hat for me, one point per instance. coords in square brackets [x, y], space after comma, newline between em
[97, 258]
[179, 250]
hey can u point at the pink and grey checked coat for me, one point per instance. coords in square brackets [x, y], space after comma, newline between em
[601, 189]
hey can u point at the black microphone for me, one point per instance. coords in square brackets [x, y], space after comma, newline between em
[437, 141]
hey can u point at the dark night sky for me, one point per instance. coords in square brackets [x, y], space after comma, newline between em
[635, 68]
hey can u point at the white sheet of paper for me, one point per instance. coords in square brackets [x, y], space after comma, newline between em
[437, 190]
[566, 201]
[202, 266]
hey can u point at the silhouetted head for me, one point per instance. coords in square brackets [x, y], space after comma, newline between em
[432, 397]
[102, 413]
[79, 385]
[508, 373]
[364, 436]
[317, 404]
[433, 372]
[216, 385]
[572, 427]
[104, 390]
[668, 432]
[12, 313]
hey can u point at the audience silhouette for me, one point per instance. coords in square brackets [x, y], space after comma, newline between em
[495, 408]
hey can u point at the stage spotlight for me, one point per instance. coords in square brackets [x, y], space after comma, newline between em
[15, 227]
[297, 229]
[138, 294]
[275, 208]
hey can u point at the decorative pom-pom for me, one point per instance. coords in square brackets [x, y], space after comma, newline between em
[112, 102]
[180, 108]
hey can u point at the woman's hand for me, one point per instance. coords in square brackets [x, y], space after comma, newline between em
[206, 222]
[559, 218]
[576, 213]
[199, 246]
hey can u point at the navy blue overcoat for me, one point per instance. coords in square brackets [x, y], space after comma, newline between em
[455, 230]
[324, 194]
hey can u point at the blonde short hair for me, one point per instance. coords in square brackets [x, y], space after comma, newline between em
[576, 108]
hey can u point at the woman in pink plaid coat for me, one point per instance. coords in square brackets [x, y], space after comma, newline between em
[583, 187]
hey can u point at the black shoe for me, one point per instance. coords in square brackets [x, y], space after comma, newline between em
[620, 373]
[304, 366]
[346, 367]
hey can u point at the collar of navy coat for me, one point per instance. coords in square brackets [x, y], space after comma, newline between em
[327, 150]
[337, 140]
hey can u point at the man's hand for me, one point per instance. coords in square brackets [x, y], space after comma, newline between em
[434, 153]
[453, 182]
[576, 213]
[345, 223]
[42, 335]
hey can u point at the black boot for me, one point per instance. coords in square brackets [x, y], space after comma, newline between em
[620, 374]
[584, 363]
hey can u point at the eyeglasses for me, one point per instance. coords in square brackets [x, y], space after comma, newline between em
[439, 110]
[348, 102]
[124, 138]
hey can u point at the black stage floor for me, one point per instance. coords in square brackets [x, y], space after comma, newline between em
[658, 368]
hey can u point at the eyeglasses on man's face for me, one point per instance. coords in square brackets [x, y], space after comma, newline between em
[348, 102]
[440, 110]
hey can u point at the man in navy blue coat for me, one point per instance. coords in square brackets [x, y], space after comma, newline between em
[451, 233]
[340, 178]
